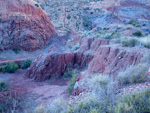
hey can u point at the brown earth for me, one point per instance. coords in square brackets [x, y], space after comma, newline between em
[39, 92]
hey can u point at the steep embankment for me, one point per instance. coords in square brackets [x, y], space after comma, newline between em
[97, 54]
[23, 25]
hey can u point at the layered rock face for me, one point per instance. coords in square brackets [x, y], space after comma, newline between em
[94, 53]
[109, 60]
[48, 65]
[23, 25]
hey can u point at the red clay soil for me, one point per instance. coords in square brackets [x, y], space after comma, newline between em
[40, 92]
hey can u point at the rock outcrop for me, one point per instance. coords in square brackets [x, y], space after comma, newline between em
[94, 53]
[48, 65]
[110, 60]
[23, 25]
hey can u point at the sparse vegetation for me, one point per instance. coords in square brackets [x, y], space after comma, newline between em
[134, 103]
[26, 64]
[100, 93]
[102, 99]
[3, 86]
[10, 67]
[134, 22]
[37, 5]
[87, 23]
[138, 34]
[130, 43]
[145, 41]
[128, 28]
[69, 72]
[71, 84]
[99, 80]
[16, 50]
[89, 105]
[57, 106]
[40, 109]
[10, 103]
[68, 17]
[133, 74]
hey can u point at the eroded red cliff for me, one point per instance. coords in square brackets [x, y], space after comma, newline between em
[94, 53]
[24, 25]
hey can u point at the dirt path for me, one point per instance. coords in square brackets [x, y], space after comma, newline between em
[39, 92]
[15, 60]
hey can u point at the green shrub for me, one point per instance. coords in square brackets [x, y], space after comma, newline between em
[26, 64]
[69, 72]
[3, 86]
[57, 106]
[91, 104]
[40, 109]
[133, 74]
[71, 84]
[123, 108]
[147, 44]
[16, 50]
[87, 105]
[105, 28]
[99, 81]
[144, 25]
[75, 47]
[138, 34]
[134, 103]
[10, 67]
[68, 17]
[87, 23]
[128, 28]
[130, 43]
[134, 22]
[37, 5]
[10, 103]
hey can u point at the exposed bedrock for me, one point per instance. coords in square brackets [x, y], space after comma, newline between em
[48, 65]
[110, 60]
[98, 55]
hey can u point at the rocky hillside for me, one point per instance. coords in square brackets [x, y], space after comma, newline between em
[97, 51]
[23, 25]
[97, 55]
[81, 15]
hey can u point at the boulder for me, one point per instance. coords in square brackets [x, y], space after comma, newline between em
[23, 25]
